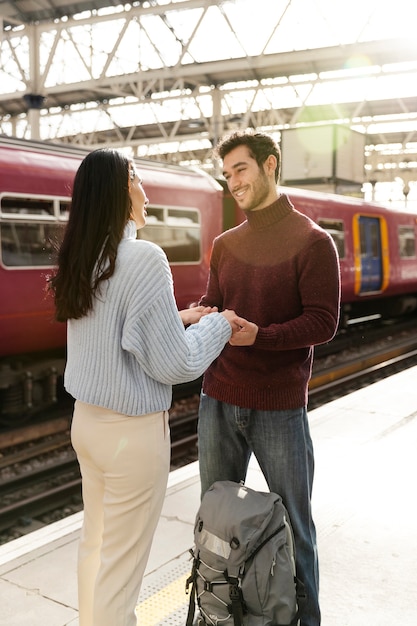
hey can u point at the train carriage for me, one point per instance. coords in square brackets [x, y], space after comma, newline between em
[377, 250]
[376, 245]
[184, 216]
[187, 210]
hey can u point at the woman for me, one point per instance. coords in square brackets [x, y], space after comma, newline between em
[127, 346]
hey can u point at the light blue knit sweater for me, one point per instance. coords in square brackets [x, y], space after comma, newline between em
[126, 354]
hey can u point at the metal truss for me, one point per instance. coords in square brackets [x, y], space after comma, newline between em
[165, 79]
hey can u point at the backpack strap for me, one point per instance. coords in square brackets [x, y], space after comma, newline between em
[192, 580]
[301, 595]
[301, 599]
[236, 599]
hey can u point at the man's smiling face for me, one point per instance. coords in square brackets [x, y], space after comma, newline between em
[251, 186]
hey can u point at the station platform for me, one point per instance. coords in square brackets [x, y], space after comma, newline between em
[365, 510]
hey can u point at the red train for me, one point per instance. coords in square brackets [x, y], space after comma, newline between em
[184, 215]
[377, 251]
[188, 208]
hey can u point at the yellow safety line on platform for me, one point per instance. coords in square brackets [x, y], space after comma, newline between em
[168, 600]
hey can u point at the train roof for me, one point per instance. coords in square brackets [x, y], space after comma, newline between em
[312, 197]
[69, 156]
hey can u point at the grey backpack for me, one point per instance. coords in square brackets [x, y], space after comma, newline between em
[243, 571]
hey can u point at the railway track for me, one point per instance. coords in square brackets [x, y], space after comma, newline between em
[329, 384]
[39, 472]
[30, 489]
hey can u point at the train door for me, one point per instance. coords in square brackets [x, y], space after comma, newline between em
[371, 258]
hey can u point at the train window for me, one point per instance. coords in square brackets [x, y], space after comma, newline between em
[370, 237]
[375, 240]
[64, 209]
[176, 231]
[407, 242]
[27, 206]
[31, 228]
[336, 229]
[29, 244]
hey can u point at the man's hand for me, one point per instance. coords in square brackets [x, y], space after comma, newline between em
[244, 332]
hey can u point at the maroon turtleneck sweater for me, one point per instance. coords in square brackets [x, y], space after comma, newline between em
[281, 271]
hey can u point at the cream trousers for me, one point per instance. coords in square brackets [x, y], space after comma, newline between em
[124, 465]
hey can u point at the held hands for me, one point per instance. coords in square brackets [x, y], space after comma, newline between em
[243, 332]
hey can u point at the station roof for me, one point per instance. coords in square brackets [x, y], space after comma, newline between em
[190, 75]
[35, 11]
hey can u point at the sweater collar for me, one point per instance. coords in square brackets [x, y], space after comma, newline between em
[270, 214]
[130, 231]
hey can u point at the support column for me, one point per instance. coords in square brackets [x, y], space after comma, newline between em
[34, 103]
[217, 126]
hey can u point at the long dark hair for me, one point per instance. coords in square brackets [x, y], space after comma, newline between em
[100, 209]
[260, 146]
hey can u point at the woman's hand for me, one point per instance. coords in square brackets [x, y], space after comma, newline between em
[195, 313]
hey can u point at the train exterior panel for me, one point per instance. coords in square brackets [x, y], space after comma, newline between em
[187, 210]
[376, 246]
[35, 188]
[377, 250]
[184, 216]
[26, 310]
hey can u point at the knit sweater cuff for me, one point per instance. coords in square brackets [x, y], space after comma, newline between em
[267, 339]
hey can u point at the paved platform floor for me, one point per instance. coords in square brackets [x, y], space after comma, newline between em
[365, 509]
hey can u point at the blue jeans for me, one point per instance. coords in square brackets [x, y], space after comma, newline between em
[281, 443]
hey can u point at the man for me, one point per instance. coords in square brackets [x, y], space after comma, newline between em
[279, 270]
